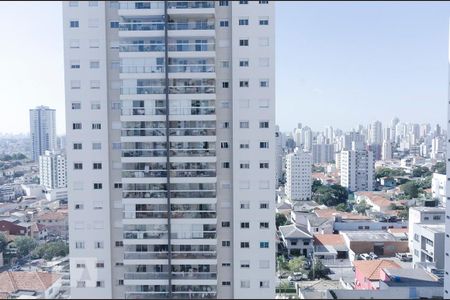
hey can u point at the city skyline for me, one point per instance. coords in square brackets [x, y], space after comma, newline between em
[423, 89]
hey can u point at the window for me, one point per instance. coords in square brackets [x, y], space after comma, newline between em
[264, 21]
[74, 44]
[81, 284]
[225, 63]
[81, 266]
[226, 283]
[119, 243]
[116, 106]
[243, 2]
[243, 42]
[244, 124]
[93, 3]
[223, 23]
[243, 63]
[74, 64]
[226, 224]
[226, 165]
[225, 84]
[226, 243]
[245, 225]
[244, 165]
[75, 84]
[78, 166]
[96, 146]
[263, 2]
[245, 205]
[224, 145]
[79, 206]
[98, 186]
[226, 125]
[225, 104]
[264, 284]
[226, 264]
[77, 146]
[263, 145]
[95, 84]
[117, 185]
[96, 126]
[117, 146]
[436, 217]
[263, 205]
[79, 245]
[243, 22]
[245, 244]
[95, 105]
[263, 165]
[223, 3]
[74, 24]
[244, 146]
[76, 126]
[94, 64]
[100, 265]
[73, 3]
[264, 245]
[263, 42]
[243, 83]
[245, 284]
[97, 166]
[76, 105]
[264, 83]
[264, 225]
[264, 124]
[245, 264]
[115, 64]
[99, 284]
[94, 43]
[114, 45]
[120, 282]
[114, 24]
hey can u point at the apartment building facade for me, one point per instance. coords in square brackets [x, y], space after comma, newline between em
[53, 170]
[298, 175]
[171, 148]
[42, 130]
[357, 168]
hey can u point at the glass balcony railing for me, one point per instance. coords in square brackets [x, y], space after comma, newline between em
[143, 132]
[143, 111]
[141, 4]
[180, 47]
[144, 153]
[144, 90]
[159, 47]
[192, 132]
[150, 174]
[190, 4]
[174, 235]
[175, 255]
[147, 195]
[152, 26]
[171, 68]
[142, 69]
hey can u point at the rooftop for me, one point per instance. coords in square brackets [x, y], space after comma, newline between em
[370, 235]
[408, 277]
[11, 282]
[293, 232]
[371, 268]
[429, 209]
[328, 239]
[331, 212]
[436, 228]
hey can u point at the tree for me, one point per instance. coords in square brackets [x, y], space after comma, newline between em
[421, 172]
[343, 207]
[330, 195]
[403, 214]
[282, 264]
[281, 220]
[318, 271]
[361, 207]
[24, 245]
[439, 167]
[410, 189]
[3, 242]
[296, 264]
[315, 185]
[50, 250]
[387, 172]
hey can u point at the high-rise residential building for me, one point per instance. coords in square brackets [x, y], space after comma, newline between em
[53, 170]
[447, 207]
[322, 153]
[42, 130]
[357, 167]
[170, 115]
[278, 155]
[386, 151]
[298, 175]
[376, 133]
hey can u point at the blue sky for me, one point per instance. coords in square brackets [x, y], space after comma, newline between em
[338, 63]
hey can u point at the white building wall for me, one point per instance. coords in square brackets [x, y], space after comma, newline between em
[42, 130]
[53, 170]
[298, 175]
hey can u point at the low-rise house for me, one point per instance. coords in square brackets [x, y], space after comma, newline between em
[37, 285]
[388, 182]
[368, 275]
[377, 200]
[382, 243]
[38, 232]
[424, 215]
[284, 208]
[438, 186]
[330, 246]
[13, 228]
[56, 222]
[296, 241]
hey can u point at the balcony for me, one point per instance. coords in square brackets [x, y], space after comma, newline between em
[141, 5]
[143, 111]
[155, 26]
[189, 4]
[165, 275]
[175, 255]
[156, 174]
[173, 47]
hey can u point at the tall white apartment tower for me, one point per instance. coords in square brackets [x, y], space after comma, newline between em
[42, 130]
[175, 102]
[447, 207]
[53, 170]
[357, 168]
[298, 175]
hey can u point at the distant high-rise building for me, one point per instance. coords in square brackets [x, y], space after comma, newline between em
[376, 133]
[386, 151]
[278, 154]
[298, 175]
[170, 109]
[357, 167]
[42, 130]
[424, 129]
[322, 153]
[53, 170]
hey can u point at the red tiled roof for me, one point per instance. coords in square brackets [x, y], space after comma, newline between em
[35, 281]
[371, 268]
[328, 239]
